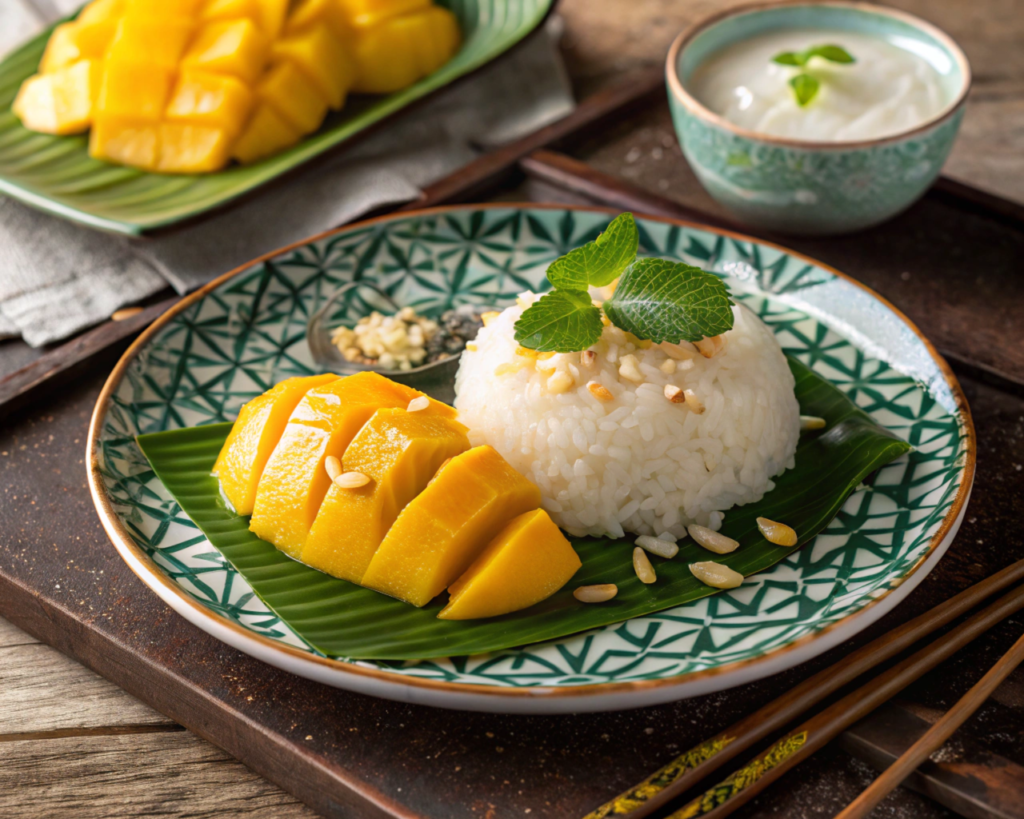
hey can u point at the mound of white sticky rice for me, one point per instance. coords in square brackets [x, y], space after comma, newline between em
[640, 462]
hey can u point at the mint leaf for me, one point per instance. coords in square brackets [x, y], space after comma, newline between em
[805, 88]
[599, 262]
[832, 53]
[563, 321]
[661, 300]
[790, 58]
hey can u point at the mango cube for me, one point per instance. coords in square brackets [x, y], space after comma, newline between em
[401, 50]
[99, 10]
[150, 42]
[367, 13]
[312, 13]
[186, 148]
[161, 9]
[268, 15]
[399, 451]
[60, 102]
[528, 561]
[137, 92]
[267, 133]
[322, 58]
[125, 140]
[236, 47]
[72, 42]
[213, 100]
[446, 527]
[290, 93]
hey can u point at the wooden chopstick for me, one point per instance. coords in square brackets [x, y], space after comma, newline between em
[688, 769]
[936, 736]
[745, 783]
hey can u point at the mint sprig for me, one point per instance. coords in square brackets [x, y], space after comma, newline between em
[806, 86]
[655, 299]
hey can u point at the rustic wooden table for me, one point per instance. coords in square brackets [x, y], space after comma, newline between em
[72, 744]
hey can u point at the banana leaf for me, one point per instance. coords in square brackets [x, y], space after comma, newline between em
[343, 620]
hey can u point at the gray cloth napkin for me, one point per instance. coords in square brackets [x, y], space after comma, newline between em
[57, 278]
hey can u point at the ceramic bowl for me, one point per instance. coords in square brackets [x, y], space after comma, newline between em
[814, 187]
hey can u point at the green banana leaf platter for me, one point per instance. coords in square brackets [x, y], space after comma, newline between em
[876, 497]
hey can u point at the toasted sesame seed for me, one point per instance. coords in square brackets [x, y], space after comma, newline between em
[489, 316]
[707, 346]
[778, 533]
[333, 466]
[668, 366]
[657, 546]
[630, 370]
[711, 540]
[587, 358]
[642, 566]
[693, 402]
[601, 593]
[809, 422]
[716, 575]
[351, 480]
[471, 347]
[674, 394]
[420, 402]
[599, 391]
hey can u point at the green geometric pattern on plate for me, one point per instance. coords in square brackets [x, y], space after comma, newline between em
[56, 174]
[250, 333]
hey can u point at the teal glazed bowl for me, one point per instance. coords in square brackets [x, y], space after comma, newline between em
[814, 187]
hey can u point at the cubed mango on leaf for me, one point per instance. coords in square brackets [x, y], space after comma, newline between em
[235, 47]
[161, 9]
[125, 140]
[528, 561]
[367, 13]
[60, 102]
[188, 148]
[325, 60]
[399, 451]
[150, 42]
[266, 134]
[213, 100]
[292, 94]
[268, 15]
[446, 527]
[99, 10]
[71, 42]
[312, 13]
[134, 91]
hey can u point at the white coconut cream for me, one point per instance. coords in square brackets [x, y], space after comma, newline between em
[886, 91]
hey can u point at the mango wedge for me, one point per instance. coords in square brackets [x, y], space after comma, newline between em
[399, 451]
[528, 561]
[60, 102]
[252, 439]
[323, 423]
[445, 528]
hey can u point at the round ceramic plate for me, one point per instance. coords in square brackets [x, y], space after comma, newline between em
[225, 344]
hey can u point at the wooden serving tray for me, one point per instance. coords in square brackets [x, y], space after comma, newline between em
[354, 756]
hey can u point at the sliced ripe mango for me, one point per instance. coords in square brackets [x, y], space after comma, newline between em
[148, 42]
[125, 140]
[60, 102]
[399, 451]
[72, 42]
[366, 13]
[267, 133]
[235, 47]
[446, 527]
[254, 435]
[268, 15]
[212, 100]
[528, 561]
[323, 423]
[322, 58]
[401, 50]
[135, 91]
[292, 94]
[188, 148]
[99, 10]
[311, 13]
[161, 9]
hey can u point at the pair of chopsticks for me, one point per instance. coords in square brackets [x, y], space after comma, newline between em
[687, 770]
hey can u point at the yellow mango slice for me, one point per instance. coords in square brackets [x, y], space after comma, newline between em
[312, 13]
[146, 42]
[254, 435]
[100, 10]
[237, 48]
[401, 50]
[187, 148]
[212, 100]
[292, 94]
[161, 9]
[399, 451]
[528, 561]
[268, 15]
[72, 42]
[321, 57]
[367, 13]
[135, 91]
[446, 527]
[125, 140]
[267, 133]
[324, 422]
[60, 102]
